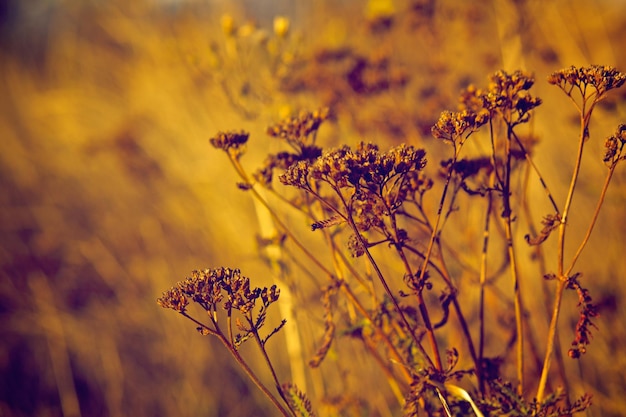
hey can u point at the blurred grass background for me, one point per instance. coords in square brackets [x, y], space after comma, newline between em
[111, 193]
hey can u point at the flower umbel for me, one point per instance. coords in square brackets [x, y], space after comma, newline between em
[232, 142]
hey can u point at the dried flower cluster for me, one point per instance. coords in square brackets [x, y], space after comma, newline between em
[232, 142]
[365, 168]
[588, 311]
[209, 287]
[458, 126]
[507, 95]
[299, 133]
[372, 197]
[614, 145]
[296, 130]
[600, 77]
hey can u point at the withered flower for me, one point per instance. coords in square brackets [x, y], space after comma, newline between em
[456, 127]
[297, 130]
[588, 311]
[175, 299]
[299, 133]
[508, 95]
[614, 145]
[601, 77]
[232, 142]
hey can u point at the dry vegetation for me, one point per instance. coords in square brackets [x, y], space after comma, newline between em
[111, 192]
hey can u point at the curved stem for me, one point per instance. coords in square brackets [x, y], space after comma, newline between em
[268, 362]
[593, 220]
[552, 331]
[241, 362]
[562, 278]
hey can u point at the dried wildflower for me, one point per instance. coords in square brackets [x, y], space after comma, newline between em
[297, 130]
[297, 175]
[355, 246]
[174, 299]
[472, 99]
[297, 400]
[588, 311]
[282, 161]
[368, 211]
[455, 127]
[209, 287]
[232, 142]
[601, 77]
[614, 145]
[366, 166]
[508, 95]
[269, 295]
[299, 133]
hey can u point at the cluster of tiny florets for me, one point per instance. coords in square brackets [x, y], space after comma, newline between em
[296, 130]
[364, 167]
[507, 95]
[232, 142]
[210, 286]
[457, 126]
[588, 311]
[614, 145]
[299, 133]
[601, 77]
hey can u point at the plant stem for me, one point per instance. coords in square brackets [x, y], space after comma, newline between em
[552, 331]
[481, 308]
[249, 372]
[254, 378]
[562, 279]
[593, 219]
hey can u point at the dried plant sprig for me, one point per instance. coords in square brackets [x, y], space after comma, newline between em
[508, 95]
[373, 195]
[592, 84]
[588, 311]
[229, 289]
[458, 126]
[602, 78]
[298, 401]
[506, 401]
[299, 131]
[370, 187]
[614, 145]
[233, 142]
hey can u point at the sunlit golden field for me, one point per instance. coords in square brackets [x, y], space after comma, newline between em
[111, 192]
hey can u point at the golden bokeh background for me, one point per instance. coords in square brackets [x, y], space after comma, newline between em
[110, 192]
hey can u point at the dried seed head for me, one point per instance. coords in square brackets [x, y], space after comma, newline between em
[297, 130]
[455, 127]
[614, 145]
[601, 77]
[175, 299]
[232, 142]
